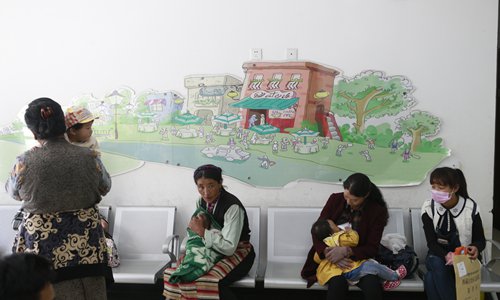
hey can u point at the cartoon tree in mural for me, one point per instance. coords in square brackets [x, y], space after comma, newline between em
[418, 124]
[371, 94]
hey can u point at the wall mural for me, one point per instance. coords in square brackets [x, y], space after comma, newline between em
[285, 122]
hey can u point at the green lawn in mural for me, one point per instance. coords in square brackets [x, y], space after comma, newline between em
[332, 162]
[115, 164]
[274, 163]
[9, 150]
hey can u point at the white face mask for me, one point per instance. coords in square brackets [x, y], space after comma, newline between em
[440, 197]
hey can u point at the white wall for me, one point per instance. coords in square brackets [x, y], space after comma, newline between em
[62, 49]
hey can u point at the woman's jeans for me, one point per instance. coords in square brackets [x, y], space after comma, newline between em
[373, 268]
[439, 281]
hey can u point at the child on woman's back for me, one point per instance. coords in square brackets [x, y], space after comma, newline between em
[333, 236]
[79, 122]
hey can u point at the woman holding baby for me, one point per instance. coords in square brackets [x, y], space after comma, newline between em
[232, 240]
[361, 207]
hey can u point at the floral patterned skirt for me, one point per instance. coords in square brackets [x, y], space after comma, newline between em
[73, 241]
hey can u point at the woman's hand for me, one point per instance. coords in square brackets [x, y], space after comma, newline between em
[196, 225]
[449, 258]
[344, 263]
[180, 259]
[335, 254]
[472, 252]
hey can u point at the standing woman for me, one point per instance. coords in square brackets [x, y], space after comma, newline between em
[232, 240]
[362, 207]
[60, 185]
[451, 219]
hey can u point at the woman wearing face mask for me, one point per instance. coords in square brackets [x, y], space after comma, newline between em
[451, 219]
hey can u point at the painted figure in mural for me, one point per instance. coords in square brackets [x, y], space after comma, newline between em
[275, 147]
[245, 145]
[26, 276]
[239, 133]
[252, 120]
[284, 144]
[406, 155]
[173, 131]
[245, 134]
[253, 140]
[451, 219]
[262, 119]
[79, 122]
[209, 138]
[340, 149]
[265, 162]
[340, 236]
[394, 145]
[366, 155]
[370, 143]
[325, 142]
[58, 169]
[217, 129]
[164, 133]
[362, 207]
[244, 139]
[231, 142]
[232, 240]
[201, 132]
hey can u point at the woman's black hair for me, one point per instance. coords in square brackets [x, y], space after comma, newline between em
[447, 176]
[321, 229]
[208, 171]
[359, 185]
[45, 118]
[24, 275]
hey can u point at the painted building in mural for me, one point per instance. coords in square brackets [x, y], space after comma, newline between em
[212, 95]
[285, 94]
[164, 104]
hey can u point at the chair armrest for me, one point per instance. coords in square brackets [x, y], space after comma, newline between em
[494, 243]
[171, 246]
[491, 261]
[182, 247]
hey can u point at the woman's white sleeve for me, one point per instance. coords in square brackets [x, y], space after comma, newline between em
[226, 241]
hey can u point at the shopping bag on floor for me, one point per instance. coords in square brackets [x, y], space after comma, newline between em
[467, 277]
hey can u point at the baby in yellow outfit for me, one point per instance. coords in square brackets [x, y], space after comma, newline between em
[333, 236]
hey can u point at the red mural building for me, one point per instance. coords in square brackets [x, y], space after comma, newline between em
[286, 94]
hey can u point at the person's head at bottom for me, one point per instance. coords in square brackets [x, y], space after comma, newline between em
[26, 276]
